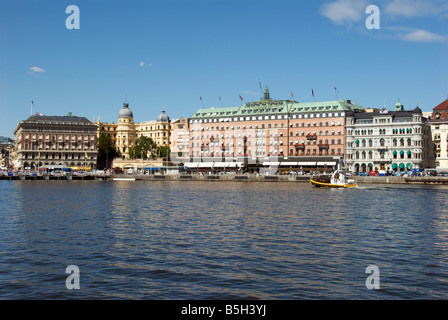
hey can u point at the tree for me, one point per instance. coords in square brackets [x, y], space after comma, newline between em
[164, 152]
[144, 147]
[107, 151]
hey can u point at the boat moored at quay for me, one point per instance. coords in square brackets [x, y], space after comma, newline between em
[338, 179]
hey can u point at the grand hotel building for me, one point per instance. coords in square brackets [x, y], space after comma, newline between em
[277, 132]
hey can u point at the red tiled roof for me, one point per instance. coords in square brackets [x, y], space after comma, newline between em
[443, 105]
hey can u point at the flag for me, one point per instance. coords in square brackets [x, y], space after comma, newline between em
[292, 95]
[86, 155]
[336, 90]
[39, 114]
[312, 92]
[241, 97]
[200, 98]
[39, 154]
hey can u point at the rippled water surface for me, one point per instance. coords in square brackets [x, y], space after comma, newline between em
[221, 240]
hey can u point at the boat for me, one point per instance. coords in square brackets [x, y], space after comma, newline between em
[338, 179]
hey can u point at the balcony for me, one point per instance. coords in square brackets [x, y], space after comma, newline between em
[311, 136]
[299, 146]
[323, 146]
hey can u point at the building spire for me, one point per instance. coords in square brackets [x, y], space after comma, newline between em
[266, 94]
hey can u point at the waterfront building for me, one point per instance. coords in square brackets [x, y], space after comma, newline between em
[55, 140]
[396, 140]
[126, 131]
[180, 140]
[272, 132]
[5, 152]
[439, 128]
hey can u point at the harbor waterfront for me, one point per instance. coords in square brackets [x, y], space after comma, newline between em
[222, 240]
[226, 178]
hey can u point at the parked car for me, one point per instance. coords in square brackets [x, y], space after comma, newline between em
[374, 173]
[443, 174]
[363, 174]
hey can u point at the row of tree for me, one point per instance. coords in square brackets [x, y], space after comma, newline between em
[144, 148]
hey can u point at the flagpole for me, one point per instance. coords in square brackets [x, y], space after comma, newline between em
[202, 102]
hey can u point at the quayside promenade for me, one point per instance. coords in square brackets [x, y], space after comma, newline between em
[225, 177]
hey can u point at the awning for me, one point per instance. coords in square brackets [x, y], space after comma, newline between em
[271, 163]
[235, 164]
[394, 166]
[205, 165]
[395, 152]
[221, 164]
[191, 164]
[327, 163]
[408, 166]
[401, 152]
[409, 152]
[401, 166]
[306, 163]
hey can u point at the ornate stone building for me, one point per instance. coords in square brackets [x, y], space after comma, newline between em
[55, 140]
[125, 133]
[396, 140]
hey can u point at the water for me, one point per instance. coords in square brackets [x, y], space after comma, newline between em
[221, 240]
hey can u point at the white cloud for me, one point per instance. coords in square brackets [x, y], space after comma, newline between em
[423, 36]
[37, 69]
[416, 8]
[342, 11]
[142, 63]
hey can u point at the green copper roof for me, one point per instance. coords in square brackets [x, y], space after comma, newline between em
[276, 107]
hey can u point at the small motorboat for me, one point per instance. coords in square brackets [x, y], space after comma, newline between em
[336, 180]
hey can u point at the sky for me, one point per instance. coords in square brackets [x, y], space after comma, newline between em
[170, 53]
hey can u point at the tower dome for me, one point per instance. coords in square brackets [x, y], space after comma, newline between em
[163, 117]
[125, 112]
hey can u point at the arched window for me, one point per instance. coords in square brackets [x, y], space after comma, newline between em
[382, 142]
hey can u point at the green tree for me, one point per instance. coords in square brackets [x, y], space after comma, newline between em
[107, 151]
[144, 147]
[164, 152]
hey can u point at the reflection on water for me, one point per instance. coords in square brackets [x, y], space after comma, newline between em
[221, 240]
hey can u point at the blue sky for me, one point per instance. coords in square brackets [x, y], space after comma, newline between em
[170, 53]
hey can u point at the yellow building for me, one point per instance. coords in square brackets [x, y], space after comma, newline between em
[125, 133]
